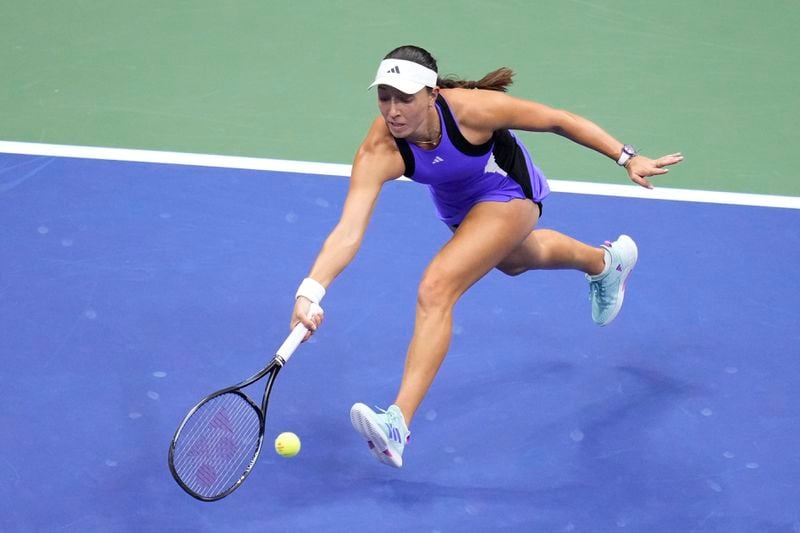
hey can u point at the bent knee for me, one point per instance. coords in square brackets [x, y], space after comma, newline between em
[511, 269]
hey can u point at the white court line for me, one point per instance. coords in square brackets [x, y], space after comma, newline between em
[334, 169]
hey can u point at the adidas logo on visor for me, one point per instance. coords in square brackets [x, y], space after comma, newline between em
[394, 70]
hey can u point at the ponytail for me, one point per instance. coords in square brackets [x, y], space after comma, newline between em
[497, 80]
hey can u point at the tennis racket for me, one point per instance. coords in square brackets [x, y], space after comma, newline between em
[218, 442]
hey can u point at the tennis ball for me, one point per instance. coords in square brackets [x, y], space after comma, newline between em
[287, 444]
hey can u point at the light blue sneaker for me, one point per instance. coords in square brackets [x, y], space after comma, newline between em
[386, 432]
[607, 291]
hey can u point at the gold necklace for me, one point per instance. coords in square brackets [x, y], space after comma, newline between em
[432, 142]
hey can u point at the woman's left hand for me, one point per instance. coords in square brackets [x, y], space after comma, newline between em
[640, 168]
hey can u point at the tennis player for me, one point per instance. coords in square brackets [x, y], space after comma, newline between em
[456, 137]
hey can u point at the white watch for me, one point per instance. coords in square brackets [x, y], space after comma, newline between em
[628, 153]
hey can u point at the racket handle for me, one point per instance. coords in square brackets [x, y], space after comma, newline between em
[296, 336]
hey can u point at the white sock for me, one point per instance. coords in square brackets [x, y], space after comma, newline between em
[607, 265]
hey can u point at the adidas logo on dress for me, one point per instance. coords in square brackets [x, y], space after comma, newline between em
[436, 160]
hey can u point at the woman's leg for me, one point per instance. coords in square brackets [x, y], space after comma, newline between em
[607, 267]
[489, 233]
[546, 249]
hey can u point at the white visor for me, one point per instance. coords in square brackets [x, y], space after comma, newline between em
[405, 76]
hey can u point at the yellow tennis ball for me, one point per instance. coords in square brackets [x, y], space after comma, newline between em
[287, 444]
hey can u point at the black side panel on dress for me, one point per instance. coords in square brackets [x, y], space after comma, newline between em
[510, 158]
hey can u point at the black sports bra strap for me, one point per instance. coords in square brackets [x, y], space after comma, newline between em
[458, 140]
[408, 156]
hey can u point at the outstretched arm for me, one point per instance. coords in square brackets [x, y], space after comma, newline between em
[500, 111]
[377, 161]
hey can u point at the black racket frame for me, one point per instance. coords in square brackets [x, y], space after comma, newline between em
[272, 369]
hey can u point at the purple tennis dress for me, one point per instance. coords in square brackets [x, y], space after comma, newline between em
[460, 175]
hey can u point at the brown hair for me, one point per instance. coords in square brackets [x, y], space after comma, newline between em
[497, 80]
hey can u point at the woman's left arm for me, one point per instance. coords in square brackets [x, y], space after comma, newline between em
[498, 111]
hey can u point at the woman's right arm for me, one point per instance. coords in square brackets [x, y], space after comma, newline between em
[376, 162]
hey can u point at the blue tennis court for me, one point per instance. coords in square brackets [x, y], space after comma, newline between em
[130, 290]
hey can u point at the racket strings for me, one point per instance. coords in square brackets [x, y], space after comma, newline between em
[217, 444]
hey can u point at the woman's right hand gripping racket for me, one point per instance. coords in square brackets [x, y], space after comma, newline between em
[218, 442]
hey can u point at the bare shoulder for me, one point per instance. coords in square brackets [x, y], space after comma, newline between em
[378, 139]
[463, 100]
[378, 156]
[493, 110]
[478, 109]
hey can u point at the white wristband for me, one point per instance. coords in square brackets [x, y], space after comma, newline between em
[311, 289]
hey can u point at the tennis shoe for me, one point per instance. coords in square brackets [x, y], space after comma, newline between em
[607, 291]
[386, 432]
